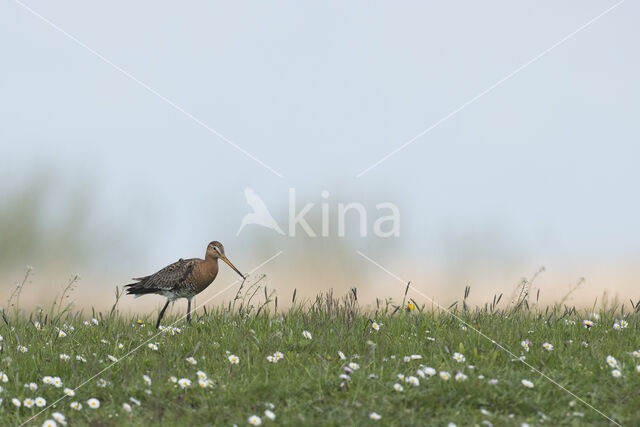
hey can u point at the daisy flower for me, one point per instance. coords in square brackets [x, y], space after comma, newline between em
[623, 324]
[375, 326]
[204, 383]
[191, 360]
[69, 392]
[525, 345]
[112, 358]
[354, 366]
[587, 323]
[49, 423]
[32, 386]
[102, 383]
[146, 379]
[59, 418]
[429, 371]
[81, 359]
[616, 326]
[62, 334]
[612, 362]
[93, 403]
[306, 334]
[413, 381]
[173, 379]
[460, 376]
[28, 403]
[16, 402]
[184, 382]
[459, 357]
[234, 359]
[64, 357]
[271, 358]
[126, 407]
[341, 355]
[152, 346]
[120, 346]
[57, 382]
[278, 355]
[616, 373]
[40, 402]
[398, 387]
[3, 377]
[416, 357]
[76, 405]
[547, 346]
[270, 414]
[23, 349]
[527, 383]
[445, 375]
[103, 341]
[255, 420]
[375, 416]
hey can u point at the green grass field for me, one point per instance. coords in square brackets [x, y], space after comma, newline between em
[108, 358]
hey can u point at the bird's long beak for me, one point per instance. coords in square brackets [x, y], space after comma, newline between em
[225, 259]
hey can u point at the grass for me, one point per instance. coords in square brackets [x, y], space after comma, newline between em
[304, 387]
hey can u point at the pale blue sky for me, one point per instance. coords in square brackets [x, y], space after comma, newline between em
[545, 164]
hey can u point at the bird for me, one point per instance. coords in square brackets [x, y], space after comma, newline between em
[184, 278]
[260, 215]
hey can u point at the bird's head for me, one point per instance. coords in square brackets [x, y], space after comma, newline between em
[216, 250]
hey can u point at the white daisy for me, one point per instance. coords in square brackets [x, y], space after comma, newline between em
[527, 383]
[616, 373]
[459, 357]
[234, 359]
[306, 334]
[375, 416]
[184, 382]
[126, 407]
[146, 379]
[398, 387]
[413, 381]
[255, 420]
[460, 376]
[93, 403]
[40, 402]
[76, 405]
[59, 418]
[270, 414]
[445, 375]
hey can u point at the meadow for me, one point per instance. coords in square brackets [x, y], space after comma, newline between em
[327, 361]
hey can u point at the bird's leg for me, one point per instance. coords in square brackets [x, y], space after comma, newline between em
[189, 310]
[162, 313]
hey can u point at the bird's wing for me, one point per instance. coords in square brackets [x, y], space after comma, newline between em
[170, 276]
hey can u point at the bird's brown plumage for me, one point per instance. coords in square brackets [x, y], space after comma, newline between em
[183, 279]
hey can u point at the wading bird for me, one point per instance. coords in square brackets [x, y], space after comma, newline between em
[183, 279]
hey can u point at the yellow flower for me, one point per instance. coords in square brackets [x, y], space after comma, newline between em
[411, 306]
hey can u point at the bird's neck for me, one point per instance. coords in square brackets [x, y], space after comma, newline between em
[210, 266]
